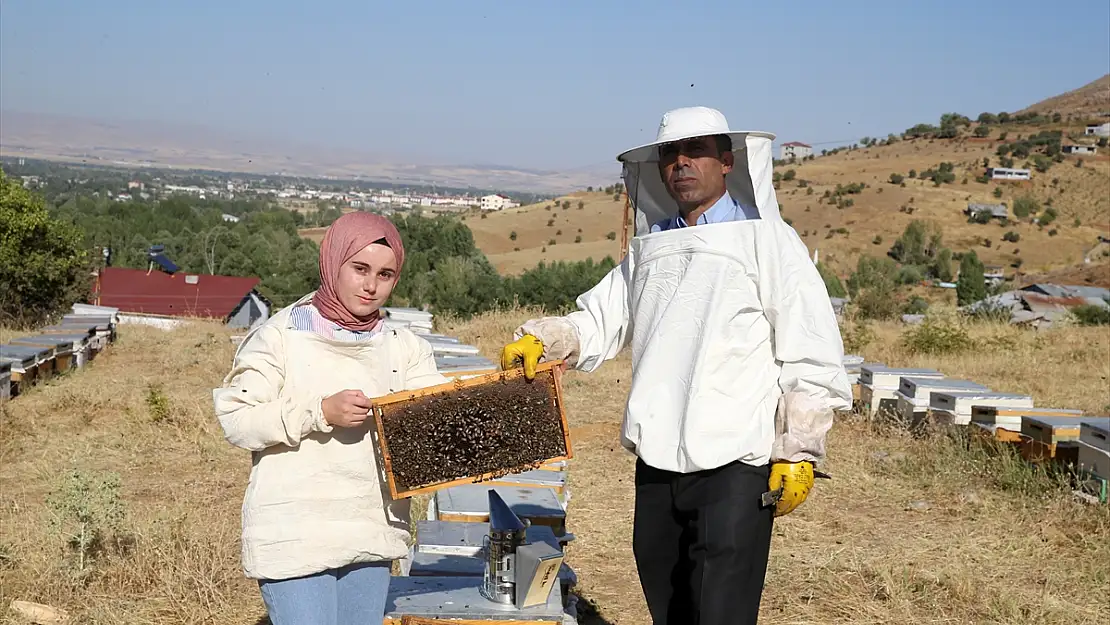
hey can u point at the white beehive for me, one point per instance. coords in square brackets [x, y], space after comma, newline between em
[958, 404]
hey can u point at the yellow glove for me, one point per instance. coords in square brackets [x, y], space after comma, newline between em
[527, 351]
[796, 480]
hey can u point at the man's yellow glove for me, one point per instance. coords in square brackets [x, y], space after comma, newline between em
[795, 479]
[526, 351]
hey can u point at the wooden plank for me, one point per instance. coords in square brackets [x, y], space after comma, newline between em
[553, 369]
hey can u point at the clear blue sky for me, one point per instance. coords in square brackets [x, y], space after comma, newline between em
[540, 84]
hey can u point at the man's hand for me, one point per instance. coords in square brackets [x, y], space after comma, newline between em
[527, 351]
[347, 409]
[796, 480]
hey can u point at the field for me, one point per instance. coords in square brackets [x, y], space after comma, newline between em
[922, 531]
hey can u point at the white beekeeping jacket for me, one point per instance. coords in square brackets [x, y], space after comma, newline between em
[726, 322]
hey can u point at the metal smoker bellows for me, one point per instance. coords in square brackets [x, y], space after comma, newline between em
[506, 533]
[516, 573]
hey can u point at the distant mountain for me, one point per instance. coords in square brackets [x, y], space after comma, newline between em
[1092, 99]
[76, 139]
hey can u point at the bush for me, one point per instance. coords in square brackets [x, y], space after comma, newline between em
[87, 513]
[578, 239]
[896, 178]
[1091, 315]
[913, 173]
[998, 192]
[1048, 217]
[612, 236]
[1011, 237]
[878, 240]
[832, 282]
[916, 306]
[938, 334]
[910, 274]
[1026, 205]
[512, 235]
[43, 266]
[789, 175]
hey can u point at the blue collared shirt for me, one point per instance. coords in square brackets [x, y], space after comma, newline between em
[725, 209]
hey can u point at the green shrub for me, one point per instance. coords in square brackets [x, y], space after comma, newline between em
[1091, 315]
[938, 334]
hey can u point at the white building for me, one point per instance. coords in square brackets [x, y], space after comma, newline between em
[1006, 173]
[1100, 130]
[496, 202]
[1086, 150]
[795, 150]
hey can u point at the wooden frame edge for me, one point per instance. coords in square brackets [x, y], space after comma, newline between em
[556, 369]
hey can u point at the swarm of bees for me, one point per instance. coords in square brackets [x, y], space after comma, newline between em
[492, 428]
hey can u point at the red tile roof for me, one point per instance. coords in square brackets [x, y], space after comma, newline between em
[158, 293]
[798, 144]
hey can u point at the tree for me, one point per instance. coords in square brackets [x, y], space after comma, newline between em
[942, 266]
[832, 282]
[971, 286]
[982, 130]
[873, 287]
[918, 243]
[987, 118]
[43, 266]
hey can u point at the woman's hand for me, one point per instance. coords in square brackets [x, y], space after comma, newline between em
[347, 409]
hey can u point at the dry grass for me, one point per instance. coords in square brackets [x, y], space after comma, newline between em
[999, 543]
[1082, 193]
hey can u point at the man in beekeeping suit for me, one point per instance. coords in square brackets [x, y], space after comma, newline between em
[737, 364]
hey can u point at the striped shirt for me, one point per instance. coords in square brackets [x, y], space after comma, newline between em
[308, 318]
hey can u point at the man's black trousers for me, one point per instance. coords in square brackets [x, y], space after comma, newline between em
[701, 542]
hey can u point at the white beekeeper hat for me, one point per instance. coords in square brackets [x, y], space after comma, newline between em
[749, 182]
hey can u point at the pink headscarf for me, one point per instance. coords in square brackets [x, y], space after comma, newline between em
[346, 237]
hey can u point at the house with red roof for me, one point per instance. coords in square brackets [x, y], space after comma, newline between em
[795, 150]
[156, 293]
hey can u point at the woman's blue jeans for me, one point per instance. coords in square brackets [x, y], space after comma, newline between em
[351, 595]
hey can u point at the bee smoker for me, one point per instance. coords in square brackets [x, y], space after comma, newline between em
[517, 573]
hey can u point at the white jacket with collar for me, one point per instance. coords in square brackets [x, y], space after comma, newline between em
[726, 322]
[316, 498]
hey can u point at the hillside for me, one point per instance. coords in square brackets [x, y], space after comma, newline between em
[1092, 99]
[908, 531]
[880, 212]
[877, 217]
[595, 217]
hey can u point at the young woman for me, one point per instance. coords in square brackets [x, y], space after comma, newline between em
[320, 530]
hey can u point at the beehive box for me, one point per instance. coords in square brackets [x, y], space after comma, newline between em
[1092, 459]
[960, 403]
[1095, 434]
[1063, 453]
[875, 400]
[5, 380]
[471, 430]
[884, 377]
[1058, 429]
[1012, 418]
[63, 348]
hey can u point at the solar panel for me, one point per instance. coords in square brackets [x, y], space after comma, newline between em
[160, 259]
